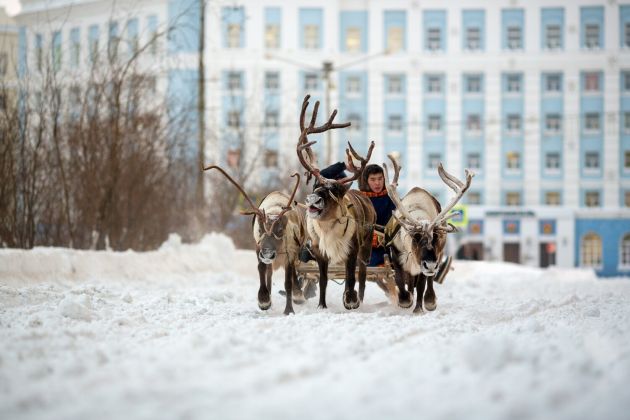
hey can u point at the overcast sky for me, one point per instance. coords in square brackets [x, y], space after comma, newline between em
[12, 6]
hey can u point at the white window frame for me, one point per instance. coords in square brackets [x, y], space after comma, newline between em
[626, 82]
[477, 83]
[433, 161]
[356, 121]
[473, 161]
[434, 39]
[474, 198]
[553, 124]
[514, 38]
[395, 42]
[589, 118]
[353, 85]
[473, 38]
[233, 120]
[626, 198]
[592, 82]
[272, 119]
[394, 124]
[591, 252]
[553, 84]
[592, 199]
[592, 162]
[311, 37]
[624, 252]
[392, 82]
[552, 162]
[553, 37]
[353, 39]
[626, 122]
[592, 36]
[552, 202]
[235, 81]
[272, 36]
[311, 82]
[514, 124]
[473, 124]
[626, 161]
[434, 85]
[234, 35]
[513, 198]
[272, 80]
[514, 84]
[626, 35]
[434, 124]
[513, 162]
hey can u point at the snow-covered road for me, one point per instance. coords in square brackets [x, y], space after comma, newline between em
[176, 334]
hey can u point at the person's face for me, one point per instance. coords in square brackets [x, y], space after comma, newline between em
[376, 182]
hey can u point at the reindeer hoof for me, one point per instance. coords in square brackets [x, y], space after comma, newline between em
[350, 300]
[264, 305]
[289, 311]
[405, 300]
[430, 304]
[322, 306]
[418, 310]
[298, 297]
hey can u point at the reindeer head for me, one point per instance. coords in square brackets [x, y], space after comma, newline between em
[271, 227]
[323, 203]
[428, 237]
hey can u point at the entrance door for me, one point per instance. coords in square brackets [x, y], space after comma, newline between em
[547, 254]
[471, 251]
[512, 253]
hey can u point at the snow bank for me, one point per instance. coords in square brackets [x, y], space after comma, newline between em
[214, 253]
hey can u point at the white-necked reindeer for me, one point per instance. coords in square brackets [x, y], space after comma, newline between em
[416, 236]
[279, 231]
[340, 221]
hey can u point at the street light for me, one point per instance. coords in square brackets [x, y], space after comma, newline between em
[326, 69]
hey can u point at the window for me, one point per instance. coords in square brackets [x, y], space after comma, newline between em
[591, 250]
[591, 82]
[353, 85]
[625, 251]
[39, 52]
[272, 36]
[591, 122]
[272, 80]
[272, 119]
[93, 43]
[473, 123]
[473, 84]
[434, 160]
[353, 39]
[473, 38]
[474, 198]
[513, 161]
[626, 160]
[626, 122]
[553, 37]
[234, 119]
[234, 158]
[311, 37]
[394, 123]
[513, 123]
[395, 84]
[513, 83]
[132, 35]
[552, 161]
[626, 34]
[473, 161]
[75, 98]
[234, 35]
[394, 39]
[552, 198]
[626, 81]
[56, 50]
[591, 38]
[75, 47]
[626, 198]
[4, 63]
[552, 123]
[113, 41]
[434, 124]
[271, 159]
[235, 81]
[355, 122]
[3, 102]
[591, 160]
[153, 34]
[434, 84]
[553, 83]
[311, 81]
[513, 198]
[515, 38]
[591, 199]
[434, 39]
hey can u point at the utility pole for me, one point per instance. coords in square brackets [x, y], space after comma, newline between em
[201, 105]
[327, 68]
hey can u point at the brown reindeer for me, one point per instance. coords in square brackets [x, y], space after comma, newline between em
[278, 229]
[340, 221]
[416, 236]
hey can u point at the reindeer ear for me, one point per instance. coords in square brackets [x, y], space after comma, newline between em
[450, 228]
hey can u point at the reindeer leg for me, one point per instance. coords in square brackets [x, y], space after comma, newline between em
[429, 298]
[420, 282]
[350, 298]
[288, 287]
[298, 293]
[323, 281]
[362, 276]
[405, 299]
[269, 275]
[264, 295]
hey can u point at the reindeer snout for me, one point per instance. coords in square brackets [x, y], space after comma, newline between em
[314, 200]
[429, 267]
[267, 255]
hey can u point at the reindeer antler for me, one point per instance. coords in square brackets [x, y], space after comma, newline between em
[456, 185]
[289, 205]
[407, 219]
[255, 210]
[304, 146]
[356, 172]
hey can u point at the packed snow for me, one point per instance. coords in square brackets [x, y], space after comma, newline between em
[176, 334]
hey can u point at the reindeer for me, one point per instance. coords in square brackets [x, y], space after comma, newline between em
[278, 230]
[340, 221]
[416, 236]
